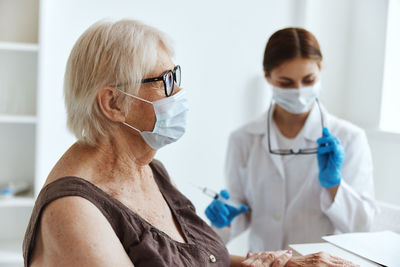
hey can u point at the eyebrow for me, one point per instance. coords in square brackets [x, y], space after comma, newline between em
[288, 79]
[167, 69]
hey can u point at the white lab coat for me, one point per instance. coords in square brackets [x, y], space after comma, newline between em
[260, 180]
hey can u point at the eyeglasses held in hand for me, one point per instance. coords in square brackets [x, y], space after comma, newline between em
[287, 152]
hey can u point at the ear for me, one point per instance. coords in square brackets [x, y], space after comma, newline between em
[107, 101]
[267, 76]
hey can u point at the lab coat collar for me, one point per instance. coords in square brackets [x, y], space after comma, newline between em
[312, 128]
[276, 159]
[259, 126]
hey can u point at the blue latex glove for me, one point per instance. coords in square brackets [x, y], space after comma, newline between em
[330, 159]
[221, 214]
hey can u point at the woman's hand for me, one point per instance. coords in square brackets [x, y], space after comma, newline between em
[330, 159]
[267, 259]
[320, 259]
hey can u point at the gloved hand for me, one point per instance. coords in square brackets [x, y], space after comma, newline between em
[330, 159]
[221, 214]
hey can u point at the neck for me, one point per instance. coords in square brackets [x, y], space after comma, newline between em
[289, 124]
[121, 156]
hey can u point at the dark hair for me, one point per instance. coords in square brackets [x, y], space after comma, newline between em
[290, 43]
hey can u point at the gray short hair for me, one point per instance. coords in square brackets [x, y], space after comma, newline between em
[107, 53]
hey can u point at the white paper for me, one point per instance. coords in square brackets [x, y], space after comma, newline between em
[380, 247]
[305, 249]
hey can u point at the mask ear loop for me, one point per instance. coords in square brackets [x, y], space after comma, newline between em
[268, 127]
[144, 100]
[320, 112]
[130, 126]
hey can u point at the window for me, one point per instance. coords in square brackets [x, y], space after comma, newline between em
[390, 111]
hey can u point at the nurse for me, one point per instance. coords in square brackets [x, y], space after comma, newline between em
[299, 171]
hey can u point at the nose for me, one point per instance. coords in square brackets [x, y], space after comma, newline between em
[298, 85]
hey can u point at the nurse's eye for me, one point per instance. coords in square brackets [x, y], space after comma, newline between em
[285, 84]
[309, 81]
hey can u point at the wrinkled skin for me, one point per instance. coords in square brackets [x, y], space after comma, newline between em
[320, 259]
[284, 258]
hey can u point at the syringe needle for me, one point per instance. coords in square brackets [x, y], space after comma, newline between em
[211, 193]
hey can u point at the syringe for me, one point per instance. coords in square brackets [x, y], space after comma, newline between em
[211, 193]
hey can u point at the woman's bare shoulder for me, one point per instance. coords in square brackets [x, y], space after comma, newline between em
[75, 233]
[74, 162]
[70, 213]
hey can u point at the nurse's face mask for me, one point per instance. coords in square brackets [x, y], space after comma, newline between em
[171, 112]
[296, 101]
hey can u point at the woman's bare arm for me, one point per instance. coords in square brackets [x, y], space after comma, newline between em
[73, 232]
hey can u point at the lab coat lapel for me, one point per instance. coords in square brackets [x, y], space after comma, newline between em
[276, 159]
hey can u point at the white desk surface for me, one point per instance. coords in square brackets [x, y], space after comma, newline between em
[304, 249]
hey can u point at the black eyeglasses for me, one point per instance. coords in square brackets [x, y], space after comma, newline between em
[169, 78]
[287, 152]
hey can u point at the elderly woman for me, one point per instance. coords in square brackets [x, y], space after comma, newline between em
[107, 202]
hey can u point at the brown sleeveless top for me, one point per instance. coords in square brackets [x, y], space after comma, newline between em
[144, 244]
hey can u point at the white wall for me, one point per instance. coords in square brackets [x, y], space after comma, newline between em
[330, 22]
[366, 61]
[385, 150]
[352, 38]
[367, 87]
[391, 81]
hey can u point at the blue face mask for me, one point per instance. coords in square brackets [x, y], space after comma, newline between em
[171, 113]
